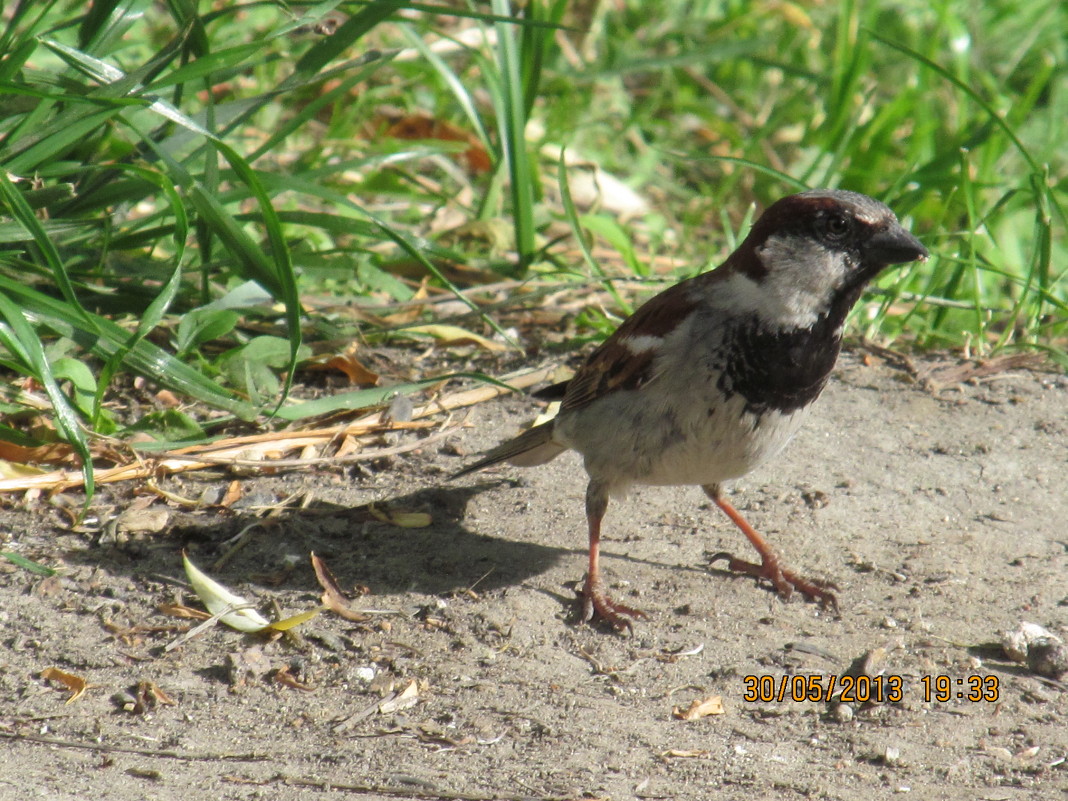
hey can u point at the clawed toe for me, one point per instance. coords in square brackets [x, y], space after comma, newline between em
[596, 603]
[784, 580]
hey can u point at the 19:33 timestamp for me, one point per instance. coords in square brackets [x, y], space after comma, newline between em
[968, 688]
[866, 689]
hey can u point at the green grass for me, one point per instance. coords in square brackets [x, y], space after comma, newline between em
[193, 191]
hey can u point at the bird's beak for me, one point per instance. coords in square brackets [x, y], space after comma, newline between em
[894, 245]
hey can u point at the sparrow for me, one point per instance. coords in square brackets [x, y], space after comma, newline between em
[712, 377]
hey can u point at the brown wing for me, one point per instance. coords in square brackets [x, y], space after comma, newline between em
[625, 359]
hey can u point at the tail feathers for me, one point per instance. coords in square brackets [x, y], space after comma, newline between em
[530, 448]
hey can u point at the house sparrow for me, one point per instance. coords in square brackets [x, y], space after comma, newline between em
[712, 377]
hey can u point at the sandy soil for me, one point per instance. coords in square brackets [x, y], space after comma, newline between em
[940, 515]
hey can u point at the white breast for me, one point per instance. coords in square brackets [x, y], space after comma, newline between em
[669, 437]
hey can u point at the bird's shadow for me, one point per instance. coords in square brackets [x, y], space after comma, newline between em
[364, 545]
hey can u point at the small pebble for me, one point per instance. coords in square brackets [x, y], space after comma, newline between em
[843, 713]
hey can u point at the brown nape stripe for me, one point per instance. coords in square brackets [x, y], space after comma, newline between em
[746, 261]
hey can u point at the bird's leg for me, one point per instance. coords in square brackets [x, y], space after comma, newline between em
[595, 599]
[784, 580]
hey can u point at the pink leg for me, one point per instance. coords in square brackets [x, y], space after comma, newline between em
[595, 598]
[784, 580]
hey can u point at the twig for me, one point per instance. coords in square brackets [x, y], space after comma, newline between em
[211, 622]
[235, 451]
[121, 749]
[316, 461]
[413, 792]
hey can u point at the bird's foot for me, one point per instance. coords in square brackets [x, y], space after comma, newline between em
[595, 602]
[784, 580]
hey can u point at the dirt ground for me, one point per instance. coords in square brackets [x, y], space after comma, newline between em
[941, 515]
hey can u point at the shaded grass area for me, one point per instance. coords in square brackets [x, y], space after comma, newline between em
[207, 196]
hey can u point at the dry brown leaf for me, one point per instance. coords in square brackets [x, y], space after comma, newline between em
[168, 399]
[149, 696]
[333, 598]
[181, 610]
[145, 773]
[423, 126]
[234, 493]
[412, 310]
[134, 635]
[425, 734]
[700, 708]
[76, 684]
[49, 586]
[286, 679]
[354, 370]
[458, 273]
[348, 445]
[18, 456]
[946, 376]
[135, 520]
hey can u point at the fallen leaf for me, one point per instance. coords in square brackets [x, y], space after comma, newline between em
[183, 611]
[423, 126]
[149, 696]
[412, 310]
[400, 518]
[453, 335]
[291, 622]
[333, 598]
[145, 773]
[700, 708]
[233, 494]
[287, 679]
[49, 586]
[547, 414]
[15, 457]
[348, 445]
[406, 698]
[14, 469]
[233, 610]
[76, 684]
[134, 635]
[354, 370]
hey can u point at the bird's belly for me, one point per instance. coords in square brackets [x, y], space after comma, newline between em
[723, 451]
[679, 443]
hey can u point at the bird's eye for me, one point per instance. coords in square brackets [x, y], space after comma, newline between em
[834, 227]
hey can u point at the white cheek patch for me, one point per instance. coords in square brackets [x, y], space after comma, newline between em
[768, 300]
[803, 278]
